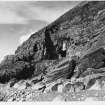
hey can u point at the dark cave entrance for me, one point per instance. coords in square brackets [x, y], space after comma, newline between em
[62, 48]
[62, 52]
[50, 52]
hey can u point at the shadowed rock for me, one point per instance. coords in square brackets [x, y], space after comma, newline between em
[95, 60]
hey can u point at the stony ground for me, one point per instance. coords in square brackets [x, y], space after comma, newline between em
[33, 95]
[11, 94]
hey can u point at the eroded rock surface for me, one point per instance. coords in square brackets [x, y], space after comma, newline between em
[65, 57]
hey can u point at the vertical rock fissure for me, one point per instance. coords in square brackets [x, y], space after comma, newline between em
[50, 49]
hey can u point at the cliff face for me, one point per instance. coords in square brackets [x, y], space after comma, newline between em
[82, 30]
[78, 26]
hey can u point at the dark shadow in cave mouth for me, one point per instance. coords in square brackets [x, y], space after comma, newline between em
[50, 52]
[62, 47]
[72, 66]
[62, 53]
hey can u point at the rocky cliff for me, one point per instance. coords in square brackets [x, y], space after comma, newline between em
[73, 46]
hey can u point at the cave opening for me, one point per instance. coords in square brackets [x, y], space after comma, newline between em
[50, 49]
[62, 48]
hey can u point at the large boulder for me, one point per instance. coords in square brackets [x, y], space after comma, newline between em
[95, 60]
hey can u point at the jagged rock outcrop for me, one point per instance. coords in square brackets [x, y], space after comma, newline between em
[94, 60]
[64, 69]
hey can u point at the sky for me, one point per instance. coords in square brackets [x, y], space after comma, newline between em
[19, 19]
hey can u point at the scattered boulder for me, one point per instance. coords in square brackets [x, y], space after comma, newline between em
[12, 82]
[20, 85]
[54, 88]
[79, 86]
[68, 88]
[36, 79]
[73, 87]
[38, 86]
[60, 88]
